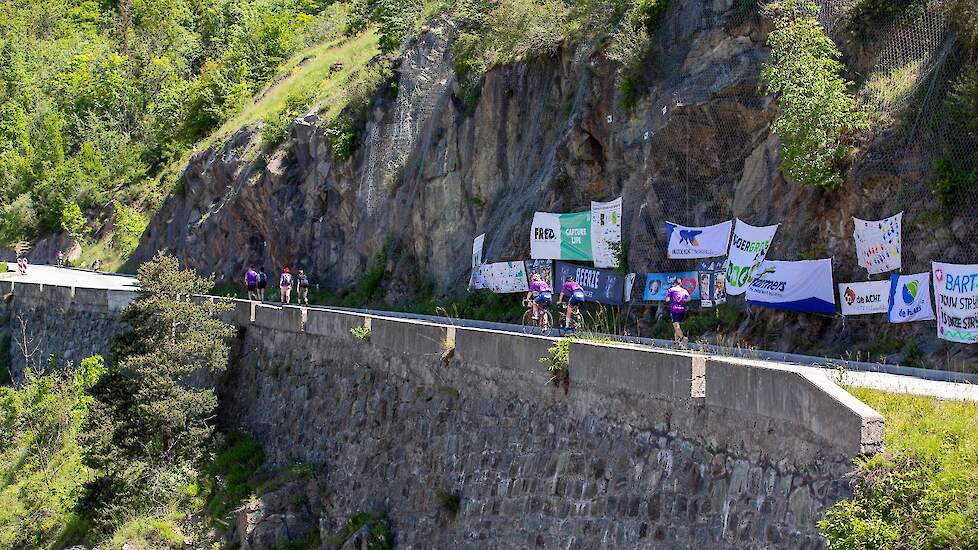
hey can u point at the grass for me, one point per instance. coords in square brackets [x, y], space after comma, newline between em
[922, 492]
[308, 71]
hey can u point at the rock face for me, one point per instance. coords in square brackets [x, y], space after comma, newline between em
[550, 134]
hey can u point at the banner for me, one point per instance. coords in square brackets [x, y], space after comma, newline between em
[504, 277]
[606, 232]
[475, 281]
[910, 298]
[878, 244]
[657, 285]
[747, 250]
[629, 283]
[543, 268]
[697, 242]
[561, 236]
[805, 285]
[600, 285]
[713, 288]
[956, 294]
[864, 298]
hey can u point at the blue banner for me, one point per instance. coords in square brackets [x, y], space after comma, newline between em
[600, 285]
[657, 285]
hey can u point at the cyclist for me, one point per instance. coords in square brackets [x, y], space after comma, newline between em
[575, 297]
[540, 296]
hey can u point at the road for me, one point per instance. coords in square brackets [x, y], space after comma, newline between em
[891, 378]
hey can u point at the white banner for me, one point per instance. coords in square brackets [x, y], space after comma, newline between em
[796, 286]
[747, 250]
[629, 281]
[504, 277]
[605, 230]
[561, 236]
[956, 294]
[697, 242]
[910, 298]
[878, 243]
[864, 298]
[475, 281]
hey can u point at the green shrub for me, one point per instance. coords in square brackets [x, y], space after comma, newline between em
[342, 137]
[922, 491]
[817, 117]
[361, 333]
[277, 126]
[128, 228]
[448, 500]
[558, 356]
[964, 18]
[72, 220]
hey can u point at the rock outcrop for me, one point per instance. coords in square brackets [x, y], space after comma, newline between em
[551, 134]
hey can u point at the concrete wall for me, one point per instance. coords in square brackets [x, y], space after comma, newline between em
[642, 447]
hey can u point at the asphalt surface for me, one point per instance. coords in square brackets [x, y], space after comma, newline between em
[892, 378]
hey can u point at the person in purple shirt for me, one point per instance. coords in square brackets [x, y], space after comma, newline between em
[677, 297]
[539, 295]
[575, 297]
[251, 281]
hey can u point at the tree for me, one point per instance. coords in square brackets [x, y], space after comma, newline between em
[817, 114]
[153, 414]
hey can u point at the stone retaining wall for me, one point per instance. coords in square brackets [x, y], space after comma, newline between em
[642, 448]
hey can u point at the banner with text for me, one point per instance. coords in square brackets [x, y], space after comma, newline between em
[606, 232]
[713, 288]
[956, 295]
[804, 285]
[910, 298]
[600, 285]
[657, 285]
[864, 298]
[878, 243]
[543, 268]
[561, 236]
[475, 281]
[504, 277]
[747, 250]
[697, 242]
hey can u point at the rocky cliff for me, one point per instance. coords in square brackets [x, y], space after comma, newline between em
[551, 134]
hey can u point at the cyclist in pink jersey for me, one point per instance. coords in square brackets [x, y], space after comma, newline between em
[540, 295]
[575, 297]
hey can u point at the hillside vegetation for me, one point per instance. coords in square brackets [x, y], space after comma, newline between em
[100, 101]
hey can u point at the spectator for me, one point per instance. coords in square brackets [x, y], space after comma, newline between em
[251, 281]
[677, 297]
[262, 284]
[285, 285]
[97, 264]
[61, 258]
[302, 286]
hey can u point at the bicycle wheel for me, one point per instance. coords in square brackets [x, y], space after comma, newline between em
[578, 320]
[529, 325]
[546, 322]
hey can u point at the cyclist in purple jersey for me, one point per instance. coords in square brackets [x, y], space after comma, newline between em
[539, 295]
[575, 297]
[677, 297]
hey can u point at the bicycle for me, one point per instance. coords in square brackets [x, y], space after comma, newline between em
[543, 322]
[577, 320]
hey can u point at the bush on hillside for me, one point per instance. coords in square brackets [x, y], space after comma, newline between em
[817, 117]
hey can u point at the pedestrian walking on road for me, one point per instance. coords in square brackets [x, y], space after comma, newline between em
[677, 297]
[262, 284]
[302, 285]
[285, 285]
[251, 281]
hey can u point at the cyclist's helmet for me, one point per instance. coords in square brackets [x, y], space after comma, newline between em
[568, 279]
[537, 277]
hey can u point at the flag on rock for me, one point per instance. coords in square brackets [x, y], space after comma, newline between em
[795, 286]
[910, 298]
[475, 281]
[878, 243]
[600, 285]
[606, 232]
[658, 284]
[864, 298]
[504, 277]
[561, 236]
[956, 294]
[747, 250]
[697, 242]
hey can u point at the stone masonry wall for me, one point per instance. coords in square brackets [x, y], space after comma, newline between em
[626, 457]
[643, 448]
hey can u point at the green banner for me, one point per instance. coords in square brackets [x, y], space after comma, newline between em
[575, 236]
